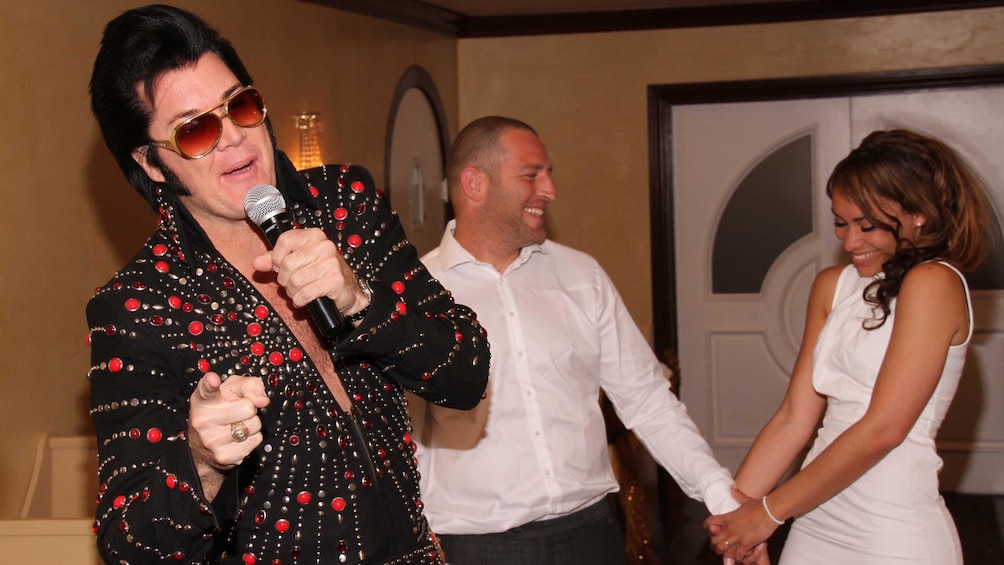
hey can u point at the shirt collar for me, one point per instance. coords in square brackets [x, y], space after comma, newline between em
[452, 254]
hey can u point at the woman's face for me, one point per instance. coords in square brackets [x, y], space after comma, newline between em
[869, 245]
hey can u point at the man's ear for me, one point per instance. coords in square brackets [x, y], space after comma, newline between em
[139, 155]
[474, 183]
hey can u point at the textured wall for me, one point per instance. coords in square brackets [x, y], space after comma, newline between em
[72, 220]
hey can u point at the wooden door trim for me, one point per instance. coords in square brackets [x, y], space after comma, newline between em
[662, 99]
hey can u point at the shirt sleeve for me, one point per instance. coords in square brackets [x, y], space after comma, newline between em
[150, 502]
[632, 378]
[421, 338]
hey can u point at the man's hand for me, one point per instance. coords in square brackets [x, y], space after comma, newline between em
[216, 409]
[308, 266]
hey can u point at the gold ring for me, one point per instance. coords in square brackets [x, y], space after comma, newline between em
[239, 431]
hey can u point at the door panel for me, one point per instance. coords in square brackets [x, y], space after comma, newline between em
[737, 349]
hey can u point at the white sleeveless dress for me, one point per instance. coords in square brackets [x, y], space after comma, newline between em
[894, 513]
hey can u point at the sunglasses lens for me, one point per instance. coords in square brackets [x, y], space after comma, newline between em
[198, 136]
[247, 109]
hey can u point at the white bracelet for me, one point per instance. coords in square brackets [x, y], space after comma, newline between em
[769, 513]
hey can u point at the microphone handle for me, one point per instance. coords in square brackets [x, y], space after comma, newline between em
[327, 319]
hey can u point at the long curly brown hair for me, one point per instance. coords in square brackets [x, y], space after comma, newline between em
[925, 177]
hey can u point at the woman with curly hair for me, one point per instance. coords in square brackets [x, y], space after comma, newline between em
[884, 345]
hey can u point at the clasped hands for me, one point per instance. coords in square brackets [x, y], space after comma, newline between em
[741, 536]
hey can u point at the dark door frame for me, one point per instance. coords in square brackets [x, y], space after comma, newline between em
[674, 509]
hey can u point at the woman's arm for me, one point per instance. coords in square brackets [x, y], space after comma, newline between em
[931, 315]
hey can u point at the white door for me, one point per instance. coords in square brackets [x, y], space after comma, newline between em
[748, 243]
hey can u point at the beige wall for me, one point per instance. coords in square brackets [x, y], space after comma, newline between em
[70, 218]
[586, 96]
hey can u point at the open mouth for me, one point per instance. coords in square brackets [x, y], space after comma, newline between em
[239, 169]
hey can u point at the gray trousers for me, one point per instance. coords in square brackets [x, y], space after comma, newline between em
[591, 536]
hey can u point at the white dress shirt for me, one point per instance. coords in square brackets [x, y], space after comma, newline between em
[536, 447]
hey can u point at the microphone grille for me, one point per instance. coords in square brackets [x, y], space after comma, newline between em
[262, 202]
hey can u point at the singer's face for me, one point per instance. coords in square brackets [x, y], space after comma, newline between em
[241, 159]
[520, 191]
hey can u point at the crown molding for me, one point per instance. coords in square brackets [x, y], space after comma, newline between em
[447, 22]
[408, 12]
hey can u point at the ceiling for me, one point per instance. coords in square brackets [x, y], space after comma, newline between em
[496, 18]
[479, 8]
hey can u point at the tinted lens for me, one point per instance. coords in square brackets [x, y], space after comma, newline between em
[247, 109]
[199, 135]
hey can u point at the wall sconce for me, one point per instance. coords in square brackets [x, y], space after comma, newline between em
[309, 124]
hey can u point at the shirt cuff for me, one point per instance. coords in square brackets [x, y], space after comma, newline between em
[718, 496]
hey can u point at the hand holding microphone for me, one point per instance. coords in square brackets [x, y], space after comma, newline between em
[308, 264]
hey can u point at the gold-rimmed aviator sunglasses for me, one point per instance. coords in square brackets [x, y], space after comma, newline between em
[197, 136]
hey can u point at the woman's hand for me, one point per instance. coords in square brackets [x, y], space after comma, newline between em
[741, 535]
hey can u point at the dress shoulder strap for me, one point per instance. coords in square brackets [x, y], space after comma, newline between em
[969, 300]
